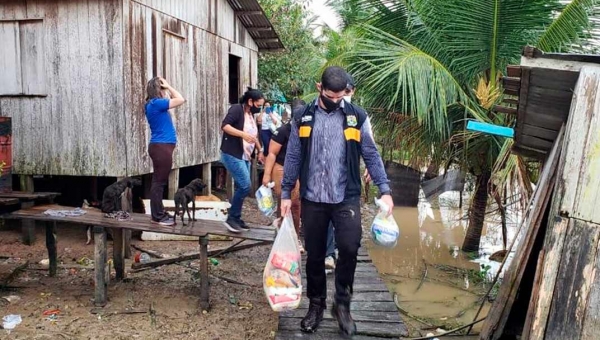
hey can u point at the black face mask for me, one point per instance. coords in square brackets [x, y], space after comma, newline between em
[330, 105]
[254, 109]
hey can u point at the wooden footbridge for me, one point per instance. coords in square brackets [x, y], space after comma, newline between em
[373, 309]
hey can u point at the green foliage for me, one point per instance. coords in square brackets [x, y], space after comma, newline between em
[571, 27]
[291, 72]
[425, 67]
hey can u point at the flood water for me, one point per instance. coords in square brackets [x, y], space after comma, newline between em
[433, 281]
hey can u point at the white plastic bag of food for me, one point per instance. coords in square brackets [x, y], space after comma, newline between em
[265, 199]
[282, 281]
[384, 230]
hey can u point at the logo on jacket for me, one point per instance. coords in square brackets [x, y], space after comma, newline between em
[306, 119]
[351, 120]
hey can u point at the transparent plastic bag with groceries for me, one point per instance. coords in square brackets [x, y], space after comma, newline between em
[384, 230]
[281, 279]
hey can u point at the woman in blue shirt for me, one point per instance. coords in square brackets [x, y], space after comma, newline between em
[161, 97]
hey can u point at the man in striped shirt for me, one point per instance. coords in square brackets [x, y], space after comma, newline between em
[327, 140]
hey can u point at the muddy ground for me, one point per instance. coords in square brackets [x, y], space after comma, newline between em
[166, 297]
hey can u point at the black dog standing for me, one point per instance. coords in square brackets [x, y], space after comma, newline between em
[186, 194]
[111, 198]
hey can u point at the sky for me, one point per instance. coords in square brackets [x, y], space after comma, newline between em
[325, 14]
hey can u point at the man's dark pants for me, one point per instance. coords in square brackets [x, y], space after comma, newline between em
[348, 231]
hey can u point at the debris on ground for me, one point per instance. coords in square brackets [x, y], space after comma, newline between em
[11, 321]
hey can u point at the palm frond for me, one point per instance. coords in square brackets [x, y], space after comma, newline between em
[487, 35]
[403, 78]
[570, 26]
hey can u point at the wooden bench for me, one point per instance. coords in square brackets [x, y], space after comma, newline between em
[141, 222]
[28, 200]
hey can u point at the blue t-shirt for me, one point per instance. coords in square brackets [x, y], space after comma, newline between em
[161, 125]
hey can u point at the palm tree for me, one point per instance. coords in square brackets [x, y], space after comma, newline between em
[434, 64]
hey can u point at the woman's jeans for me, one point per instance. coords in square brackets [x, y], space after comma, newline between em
[265, 139]
[240, 172]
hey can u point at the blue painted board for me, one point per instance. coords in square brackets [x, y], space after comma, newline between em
[491, 129]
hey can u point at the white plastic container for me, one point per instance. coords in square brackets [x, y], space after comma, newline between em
[205, 210]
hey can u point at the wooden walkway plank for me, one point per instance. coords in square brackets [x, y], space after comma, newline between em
[360, 315]
[382, 306]
[373, 309]
[377, 329]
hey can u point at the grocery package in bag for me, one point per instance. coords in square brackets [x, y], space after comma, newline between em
[281, 279]
[265, 199]
[384, 230]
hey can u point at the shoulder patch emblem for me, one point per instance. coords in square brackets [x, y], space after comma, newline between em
[351, 120]
[306, 119]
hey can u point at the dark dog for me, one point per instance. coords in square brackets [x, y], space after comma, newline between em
[186, 195]
[111, 198]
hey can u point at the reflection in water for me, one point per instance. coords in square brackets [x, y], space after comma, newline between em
[433, 280]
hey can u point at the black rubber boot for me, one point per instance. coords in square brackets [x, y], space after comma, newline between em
[341, 312]
[313, 318]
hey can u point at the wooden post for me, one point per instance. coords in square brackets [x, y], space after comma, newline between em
[26, 182]
[119, 253]
[126, 205]
[51, 245]
[207, 178]
[173, 183]
[204, 289]
[27, 226]
[100, 281]
[229, 186]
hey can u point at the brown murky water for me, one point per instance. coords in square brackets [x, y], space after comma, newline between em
[433, 281]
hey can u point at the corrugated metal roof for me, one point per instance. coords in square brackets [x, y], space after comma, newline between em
[260, 28]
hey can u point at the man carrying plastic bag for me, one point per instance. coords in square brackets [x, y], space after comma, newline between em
[327, 139]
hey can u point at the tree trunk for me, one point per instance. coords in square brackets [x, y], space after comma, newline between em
[477, 213]
[502, 210]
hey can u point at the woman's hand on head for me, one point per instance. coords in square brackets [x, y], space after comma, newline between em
[163, 83]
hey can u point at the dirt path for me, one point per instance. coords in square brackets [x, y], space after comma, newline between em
[167, 296]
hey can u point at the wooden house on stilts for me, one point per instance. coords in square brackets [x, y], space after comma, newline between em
[73, 76]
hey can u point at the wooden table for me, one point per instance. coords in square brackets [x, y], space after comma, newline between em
[28, 200]
[8, 201]
[141, 222]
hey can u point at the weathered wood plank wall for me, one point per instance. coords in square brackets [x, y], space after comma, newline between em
[567, 306]
[72, 122]
[82, 112]
[195, 61]
[214, 16]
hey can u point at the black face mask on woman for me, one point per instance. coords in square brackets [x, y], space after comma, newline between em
[254, 109]
[329, 104]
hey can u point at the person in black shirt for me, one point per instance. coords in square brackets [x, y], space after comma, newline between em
[274, 167]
